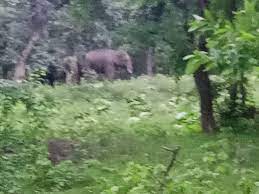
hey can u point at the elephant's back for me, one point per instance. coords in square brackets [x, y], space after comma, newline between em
[101, 52]
[100, 55]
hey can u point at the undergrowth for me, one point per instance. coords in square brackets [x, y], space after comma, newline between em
[120, 129]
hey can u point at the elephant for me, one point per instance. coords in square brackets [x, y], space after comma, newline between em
[107, 62]
[72, 70]
[52, 75]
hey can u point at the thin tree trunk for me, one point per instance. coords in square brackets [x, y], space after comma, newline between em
[150, 61]
[233, 90]
[203, 85]
[243, 89]
[72, 70]
[233, 8]
[5, 72]
[20, 67]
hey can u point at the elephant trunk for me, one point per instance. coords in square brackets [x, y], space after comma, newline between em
[130, 70]
[129, 66]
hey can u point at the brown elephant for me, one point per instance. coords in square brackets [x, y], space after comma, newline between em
[107, 62]
[72, 70]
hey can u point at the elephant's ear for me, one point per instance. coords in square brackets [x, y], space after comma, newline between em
[122, 56]
[121, 53]
[125, 60]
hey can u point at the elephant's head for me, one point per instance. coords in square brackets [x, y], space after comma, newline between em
[124, 60]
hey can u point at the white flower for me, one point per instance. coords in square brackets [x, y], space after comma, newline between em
[180, 115]
[145, 114]
[133, 120]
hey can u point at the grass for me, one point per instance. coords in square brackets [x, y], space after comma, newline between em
[130, 121]
[151, 153]
[141, 142]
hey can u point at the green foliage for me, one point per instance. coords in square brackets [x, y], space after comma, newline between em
[197, 59]
[165, 31]
[23, 116]
[37, 76]
[232, 46]
[119, 129]
[138, 25]
[232, 43]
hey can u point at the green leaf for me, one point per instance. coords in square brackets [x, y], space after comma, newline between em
[193, 28]
[247, 36]
[192, 66]
[221, 31]
[210, 66]
[195, 25]
[186, 58]
[197, 17]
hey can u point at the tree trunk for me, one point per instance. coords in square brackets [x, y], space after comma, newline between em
[237, 86]
[72, 70]
[20, 67]
[203, 85]
[233, 8]
[150, 62]
[4, 72]
[233, 90]
[243, 91]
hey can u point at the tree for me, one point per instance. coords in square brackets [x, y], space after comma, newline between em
[148, 17]
[231, 50]
[203, 84]
[157, 27]
[39, 20]
[150, 62]
[12, 20]
[239, 46]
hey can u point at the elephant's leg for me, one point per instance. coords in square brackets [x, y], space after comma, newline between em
[109, 71]
[101, 77]
[87, 69]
